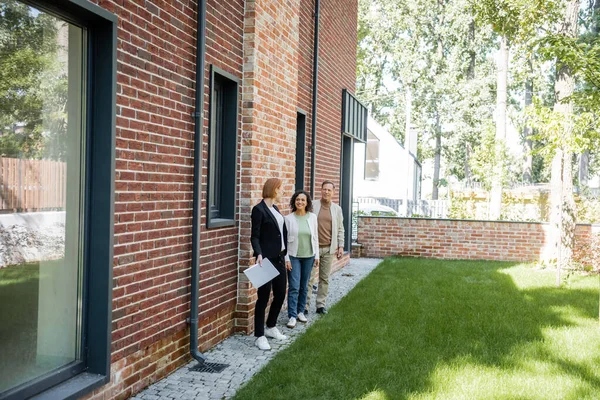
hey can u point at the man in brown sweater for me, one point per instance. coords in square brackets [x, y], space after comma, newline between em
[331, 242]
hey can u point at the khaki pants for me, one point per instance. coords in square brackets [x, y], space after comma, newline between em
[326, 259]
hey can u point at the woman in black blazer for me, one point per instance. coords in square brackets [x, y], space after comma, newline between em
[269, 240]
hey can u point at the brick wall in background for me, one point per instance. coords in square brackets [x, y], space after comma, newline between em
[459, 239]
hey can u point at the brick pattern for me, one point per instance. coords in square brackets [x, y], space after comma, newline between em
[268, 45]
[305, 77]
[337, 66]
[269, 122]
[154, 172]
[458, 239]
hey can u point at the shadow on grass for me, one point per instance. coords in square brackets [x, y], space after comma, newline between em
[412, 318]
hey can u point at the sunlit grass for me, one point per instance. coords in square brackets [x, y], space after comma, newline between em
[431, 329]
[16, 274]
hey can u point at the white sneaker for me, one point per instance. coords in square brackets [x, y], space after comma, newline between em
[302, 318]
[291, 323]
[262, 343]
[274, 333]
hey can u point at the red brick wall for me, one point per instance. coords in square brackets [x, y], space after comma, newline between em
[337, 71]
[267, 44]
[458, 239]
[305, 75]
[154, 172]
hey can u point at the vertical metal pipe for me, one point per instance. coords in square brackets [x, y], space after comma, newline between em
[198, 128]
[315, 86]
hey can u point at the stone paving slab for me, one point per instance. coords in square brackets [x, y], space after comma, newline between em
[243, 357]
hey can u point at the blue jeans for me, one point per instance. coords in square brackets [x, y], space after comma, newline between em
[298, 284]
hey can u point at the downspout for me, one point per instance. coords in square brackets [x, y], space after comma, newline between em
[198, 125]
[315, 85]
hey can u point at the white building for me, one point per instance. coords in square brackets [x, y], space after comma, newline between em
[385, 169]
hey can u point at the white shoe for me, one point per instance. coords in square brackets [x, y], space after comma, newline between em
[262, 343]
[291, 323]
[302, 318]
[274, 333]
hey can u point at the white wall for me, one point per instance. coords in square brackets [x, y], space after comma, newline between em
[396, 168]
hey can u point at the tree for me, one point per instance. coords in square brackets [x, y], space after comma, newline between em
[514, 21]
[33, 84]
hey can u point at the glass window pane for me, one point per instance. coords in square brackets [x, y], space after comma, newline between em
[42, 84]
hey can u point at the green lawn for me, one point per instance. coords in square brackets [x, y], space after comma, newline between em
[433, 329]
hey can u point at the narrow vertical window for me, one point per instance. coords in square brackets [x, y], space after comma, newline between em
[222, 165]
[300, 149]
[372, 158]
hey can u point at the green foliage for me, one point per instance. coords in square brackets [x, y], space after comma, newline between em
[462, 207]
[33, 83]
[489, 154]
[588, 210]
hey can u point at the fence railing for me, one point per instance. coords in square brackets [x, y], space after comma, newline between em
[31, 185]
[427, 208]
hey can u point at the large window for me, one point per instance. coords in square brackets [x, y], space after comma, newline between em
[51, 105]
[372, 158]
[222, 148]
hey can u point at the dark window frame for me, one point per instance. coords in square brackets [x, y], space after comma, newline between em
[222, 148]
[83, 376]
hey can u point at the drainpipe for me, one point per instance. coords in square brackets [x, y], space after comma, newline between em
[315, 85]
[198, 125]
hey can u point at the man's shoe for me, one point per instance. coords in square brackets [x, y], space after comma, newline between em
[262, 343]
[274, 333]
[302, 318]
[292, 322]
[321, 310]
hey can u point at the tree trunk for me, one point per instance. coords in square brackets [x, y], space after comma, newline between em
[470, 78]
[438, 158]
[501, 95]
[562, 215]
[527, 131]
[584, 167]
[438, 123]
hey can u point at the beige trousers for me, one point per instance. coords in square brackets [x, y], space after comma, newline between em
[326, 259]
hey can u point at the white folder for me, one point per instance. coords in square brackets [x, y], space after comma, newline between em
[258, 275]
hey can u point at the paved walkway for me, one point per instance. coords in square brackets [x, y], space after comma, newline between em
[243, 357]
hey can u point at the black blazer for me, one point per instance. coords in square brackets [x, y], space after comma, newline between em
[266, 237]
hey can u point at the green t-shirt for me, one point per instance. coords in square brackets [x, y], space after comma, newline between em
[305, 249]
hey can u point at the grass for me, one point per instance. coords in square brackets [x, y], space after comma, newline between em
[432, 329]
[19, 308]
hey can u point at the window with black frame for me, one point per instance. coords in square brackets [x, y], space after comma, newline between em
[44, 151]
[222, 148]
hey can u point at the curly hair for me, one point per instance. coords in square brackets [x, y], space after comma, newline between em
[308, 201]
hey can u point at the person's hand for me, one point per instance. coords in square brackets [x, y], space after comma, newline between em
[316, 263]
[259, 259]
[339, 252]
[288, 265]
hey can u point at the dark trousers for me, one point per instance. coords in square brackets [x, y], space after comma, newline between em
[278, 284]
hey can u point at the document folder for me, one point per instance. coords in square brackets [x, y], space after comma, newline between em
[258, 275]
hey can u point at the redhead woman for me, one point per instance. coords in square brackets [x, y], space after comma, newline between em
[269, 240]
[302, 254]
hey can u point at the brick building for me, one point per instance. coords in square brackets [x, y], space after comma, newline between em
[113, 308]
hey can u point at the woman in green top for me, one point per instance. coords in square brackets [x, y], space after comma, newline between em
[302, 253]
